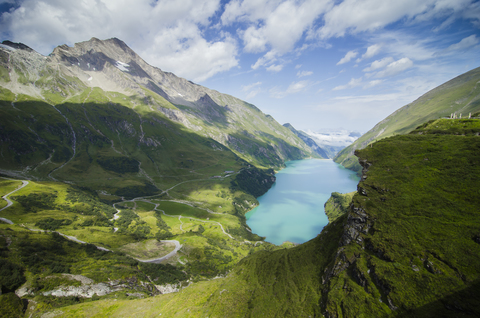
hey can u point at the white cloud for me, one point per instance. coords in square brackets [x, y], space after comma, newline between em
[247, 10]
[400, 43]
[372, 84]
[379, 64]
[166, 33]
[247, 88]
[372, 50]
[182, 57]
[254, 40]
[294, 87]
[275, 68]
[368, 15]
[354, 16]
[354, 82]
[273, 26]
[447, 8]
[269, 58]
[464, 44]
[348, 57]
[304, 73]
[396, 67]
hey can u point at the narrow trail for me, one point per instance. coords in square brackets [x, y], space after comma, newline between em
[193, 206]
[178, 246]
[86, 115]
[9, 203]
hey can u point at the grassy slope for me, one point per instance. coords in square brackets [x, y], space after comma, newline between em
[418, 255]
[36, 135]
[283, 283]
[206, 252]
[91, 220]
[460, 95]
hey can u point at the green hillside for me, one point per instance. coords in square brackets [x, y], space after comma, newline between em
[459, 96]
[409, 246]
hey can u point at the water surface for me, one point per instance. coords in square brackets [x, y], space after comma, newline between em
[292, 210]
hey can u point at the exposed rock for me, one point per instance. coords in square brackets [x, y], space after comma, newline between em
[85, 291]
[357, 223]
[168, 288]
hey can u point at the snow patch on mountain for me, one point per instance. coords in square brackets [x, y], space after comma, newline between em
[122, 66]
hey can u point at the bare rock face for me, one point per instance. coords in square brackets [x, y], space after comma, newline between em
[168, 288]
[86, 291]
[88, 288]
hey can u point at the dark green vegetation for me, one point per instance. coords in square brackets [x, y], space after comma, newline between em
[408, 246]
[459, 96]
[253, 181]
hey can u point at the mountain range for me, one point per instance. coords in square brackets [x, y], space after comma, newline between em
[75, 112]
[126, 189]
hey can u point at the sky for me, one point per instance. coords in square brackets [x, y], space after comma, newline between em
[319, 65]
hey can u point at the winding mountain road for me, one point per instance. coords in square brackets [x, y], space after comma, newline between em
[9, 203]
[178, 246]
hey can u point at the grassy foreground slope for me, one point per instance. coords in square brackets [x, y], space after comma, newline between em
[409, 246]
[460, 95]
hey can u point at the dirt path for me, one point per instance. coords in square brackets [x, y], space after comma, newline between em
[178, 246]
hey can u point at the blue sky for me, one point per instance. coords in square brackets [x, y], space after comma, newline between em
[317, 64]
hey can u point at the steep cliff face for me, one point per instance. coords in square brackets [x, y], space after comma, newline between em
[407, 243]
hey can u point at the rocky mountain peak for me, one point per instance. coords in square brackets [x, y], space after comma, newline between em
[113, 50]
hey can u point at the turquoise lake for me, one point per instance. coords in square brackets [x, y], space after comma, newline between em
[292, 210]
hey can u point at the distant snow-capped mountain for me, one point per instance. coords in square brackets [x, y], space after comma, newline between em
[332, 141]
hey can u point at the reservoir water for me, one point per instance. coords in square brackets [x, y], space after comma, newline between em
[292, 210]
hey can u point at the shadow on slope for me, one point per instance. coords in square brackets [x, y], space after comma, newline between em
[105, 146]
